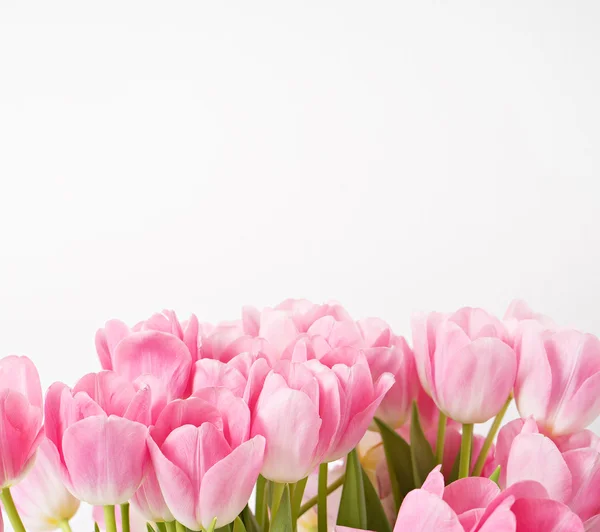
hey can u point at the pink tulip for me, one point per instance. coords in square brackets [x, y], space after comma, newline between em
[204, 462]
[309, 413]
[41, 498]
[578, 440]
[464, 363]
[103, 457]
[518, 314]
[558, 378]
[227, 340]
[20, 418]
[166, 323]
[457, 508]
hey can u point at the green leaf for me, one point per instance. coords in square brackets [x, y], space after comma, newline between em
[249, 520]
[353, 508]
[282, 521]
[423, 459]
[96, 527]
[399, 460]
[238, 525]
[495, 476]
[149, 528]
[376, 518]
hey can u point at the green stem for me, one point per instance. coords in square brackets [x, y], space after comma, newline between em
[161, 527]
[261, 502]
[297, 499]
[487, 444]
[441, 439]
[11, 510]
[322, 496]
[179, 527]
[278, 488]
[110, 523]
[171, 526]
[465, 450]
[330, 489]
[65, 526]
[125, 517]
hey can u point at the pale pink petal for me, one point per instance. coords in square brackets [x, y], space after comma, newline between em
[148, 500]
[195, 450]
[191, 411]
[375, 332]
[156, 353]
[504, 442]
[41, 497]
[106, 458]
[593, 524]
[209, 373]
[360, 421]
[175, 486]
[472, 492]
[277, 328]
[240, 468]
[434, 483]
[472, 381]
[422, 511]
[577, 440]
[290, 423]
[424, 331]
[20, 374]
[251, 320]
[545, 515]
[477, 323]
[190, 336]
[20, 435]
[234, 410]
[584, 465]
[535, 457]
[533, 385]
[108, 389]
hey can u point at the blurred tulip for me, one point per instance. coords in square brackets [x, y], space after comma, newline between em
[464, 363]
[103, 457]
[20, 418]
[558, 378]
[204, 462]
[41, 498]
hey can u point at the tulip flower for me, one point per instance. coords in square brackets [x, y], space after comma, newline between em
[464, 363]
[20, 418]
[204, 462]
[558, 378]
[41, 498]
[309, 413]
[518, 314]
[103, 457]
[148, 500]
[114, 331]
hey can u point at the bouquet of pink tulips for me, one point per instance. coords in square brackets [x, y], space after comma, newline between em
[299, 418]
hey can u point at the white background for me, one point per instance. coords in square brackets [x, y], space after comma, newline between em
[391, 155]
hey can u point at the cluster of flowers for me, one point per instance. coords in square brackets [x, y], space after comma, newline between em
[187, 420]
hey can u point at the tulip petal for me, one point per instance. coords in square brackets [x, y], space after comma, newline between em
[545, 515]
[148, 500]
[584, 465]
[290, 423]
[175, 486]
[191, 411]
[108, 389]
[241, 467]
[472, 492]
[535, 457]
[235, 412]
[20, 435]
[21, 375]
[106, 458]
[156, 353]
[422, 511]
[208, 373]
[473, 381]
